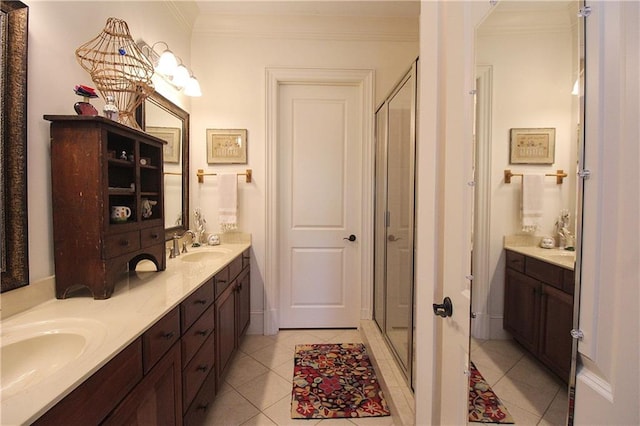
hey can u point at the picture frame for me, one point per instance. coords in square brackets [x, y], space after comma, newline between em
[171, 135]
[532, 145]
[227, 146]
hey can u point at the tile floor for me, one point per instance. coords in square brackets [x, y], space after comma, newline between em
[257, 388]
[532, 394]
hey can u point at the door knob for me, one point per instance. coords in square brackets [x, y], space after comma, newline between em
[445, 309]
[350, 238]
[392, 238]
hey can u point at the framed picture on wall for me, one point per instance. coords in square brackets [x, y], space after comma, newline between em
[171, 135]
[533, 146]
[226, 146]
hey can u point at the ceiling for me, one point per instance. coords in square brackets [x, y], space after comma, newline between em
[363, 8]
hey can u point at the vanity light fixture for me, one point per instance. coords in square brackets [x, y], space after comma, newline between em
[171, 68]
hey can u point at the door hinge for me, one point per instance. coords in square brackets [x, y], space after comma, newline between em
[584, 174]
[577, 334]
[584, 11]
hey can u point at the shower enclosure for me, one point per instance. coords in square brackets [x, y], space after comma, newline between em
[394, 220]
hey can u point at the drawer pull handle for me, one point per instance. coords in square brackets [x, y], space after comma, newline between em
[202, 332]
[203, 368]
[124, 243]
[221, 281]
[203, 407]
[168, 335]
[154, 236]
[201, 302]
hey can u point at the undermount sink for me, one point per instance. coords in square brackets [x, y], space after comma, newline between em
[35, 351]
[205, 255]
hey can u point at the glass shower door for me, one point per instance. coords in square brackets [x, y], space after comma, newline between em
[394, 222]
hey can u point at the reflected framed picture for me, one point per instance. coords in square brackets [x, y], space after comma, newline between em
[533, 146]
[227, 146]
[171, 135]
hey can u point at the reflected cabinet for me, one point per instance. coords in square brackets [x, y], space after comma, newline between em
[107, 197]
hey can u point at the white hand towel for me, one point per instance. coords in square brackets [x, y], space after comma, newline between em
[228, 201]
[532, 195]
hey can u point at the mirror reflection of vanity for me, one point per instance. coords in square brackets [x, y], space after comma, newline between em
[160, 117]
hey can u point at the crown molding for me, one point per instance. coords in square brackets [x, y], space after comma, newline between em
[346, 28]
[185, 13]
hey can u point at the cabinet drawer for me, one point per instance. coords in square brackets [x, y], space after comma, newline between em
[197, 413]
[197, 334]
[151, 236]
[235, 267]
[197, 371]
[515, 261]
[121, 243]
[158, 339]
[545, 272]
[194, 305]
[222, 281]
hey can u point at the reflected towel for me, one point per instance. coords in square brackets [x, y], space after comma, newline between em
[532, 194]
[228, 201]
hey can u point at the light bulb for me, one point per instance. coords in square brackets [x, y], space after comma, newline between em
[167, 63]
[193, 87]
[181, 76]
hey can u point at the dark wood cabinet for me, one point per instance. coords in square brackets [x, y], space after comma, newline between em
[538, 309]
[522, 312]
[226, 331]
[243, 304]
[156, 400]
[96, 166]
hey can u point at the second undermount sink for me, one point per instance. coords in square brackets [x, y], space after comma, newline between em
[34, 352]
[204, 255]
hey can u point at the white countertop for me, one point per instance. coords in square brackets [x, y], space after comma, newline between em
[138, 301]
[527, 246]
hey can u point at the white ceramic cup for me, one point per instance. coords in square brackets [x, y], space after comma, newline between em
[120, 213]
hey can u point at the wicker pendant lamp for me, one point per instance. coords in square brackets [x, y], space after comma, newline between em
[118, 68]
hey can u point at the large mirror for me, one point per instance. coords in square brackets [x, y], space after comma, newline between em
[161, 118]
[13, 150]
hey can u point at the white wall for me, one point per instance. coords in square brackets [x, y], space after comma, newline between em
[231, 64]
[533, 75]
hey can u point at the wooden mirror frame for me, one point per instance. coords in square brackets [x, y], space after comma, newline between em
[14, 214]
[171, 108]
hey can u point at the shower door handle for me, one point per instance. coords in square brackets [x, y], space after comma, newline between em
[445, 309]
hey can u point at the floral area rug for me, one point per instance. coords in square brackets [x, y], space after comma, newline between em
[335, 381]
[484, 404]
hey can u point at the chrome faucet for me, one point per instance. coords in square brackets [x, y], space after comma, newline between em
[176, 238]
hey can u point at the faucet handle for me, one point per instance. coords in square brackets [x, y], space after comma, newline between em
[172, 253]
[184, 247]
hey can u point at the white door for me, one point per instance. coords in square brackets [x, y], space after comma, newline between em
[320, 200]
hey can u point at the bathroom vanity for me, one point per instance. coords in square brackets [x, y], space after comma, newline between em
[163, 344]
[538, 304]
